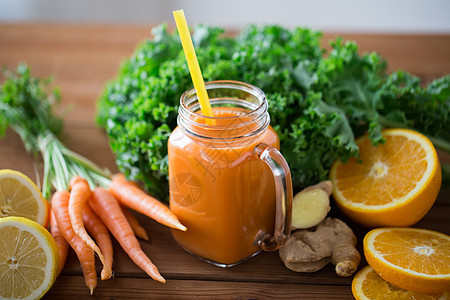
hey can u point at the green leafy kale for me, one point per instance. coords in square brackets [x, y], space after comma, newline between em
[317, 103]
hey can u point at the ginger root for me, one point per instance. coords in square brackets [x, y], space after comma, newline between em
[309, 250]
[311, 205]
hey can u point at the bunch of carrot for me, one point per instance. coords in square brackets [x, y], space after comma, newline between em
[101, 212]
[79, 204]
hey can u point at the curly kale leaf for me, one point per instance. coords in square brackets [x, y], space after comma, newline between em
[317, 137]
[352, 81]
[426, 109]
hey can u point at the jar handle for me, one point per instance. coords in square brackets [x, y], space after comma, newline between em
[283, 190]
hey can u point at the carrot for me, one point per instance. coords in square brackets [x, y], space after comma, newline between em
[138, 230]
[132, 196]
[63, 246]
[108, 209]
[101, 235]
[79, 193]
[60, 203]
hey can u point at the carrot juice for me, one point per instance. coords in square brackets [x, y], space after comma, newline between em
[220, 190]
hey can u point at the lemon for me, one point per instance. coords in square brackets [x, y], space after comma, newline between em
[28, 259]
[19, 196]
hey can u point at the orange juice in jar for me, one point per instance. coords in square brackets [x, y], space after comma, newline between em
[229, 185]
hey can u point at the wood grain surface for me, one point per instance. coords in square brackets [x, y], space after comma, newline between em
[83, 58]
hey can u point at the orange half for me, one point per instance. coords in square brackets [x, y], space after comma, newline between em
[394, 184]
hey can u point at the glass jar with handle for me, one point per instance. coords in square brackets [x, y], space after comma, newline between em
[229, 184]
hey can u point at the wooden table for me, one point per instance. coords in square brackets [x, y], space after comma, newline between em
[83, 58]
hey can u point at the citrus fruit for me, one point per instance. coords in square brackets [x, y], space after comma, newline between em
[395, 184]
[368, 285]
[19, 196]
[411, 258]
[28, 259]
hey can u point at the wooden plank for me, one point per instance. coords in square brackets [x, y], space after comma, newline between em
[72, 287]
[82, 58]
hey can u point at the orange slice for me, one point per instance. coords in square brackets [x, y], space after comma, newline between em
[413, 259]
[368, 285]
[395, 184]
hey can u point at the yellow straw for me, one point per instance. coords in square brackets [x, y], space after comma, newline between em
[192, 62]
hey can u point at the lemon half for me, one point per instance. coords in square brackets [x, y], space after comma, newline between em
[28, 259]
[19, 196]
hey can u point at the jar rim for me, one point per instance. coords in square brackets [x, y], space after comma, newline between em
[224, 83]
[253, 104]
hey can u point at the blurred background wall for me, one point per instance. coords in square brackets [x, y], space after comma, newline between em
[397, 16]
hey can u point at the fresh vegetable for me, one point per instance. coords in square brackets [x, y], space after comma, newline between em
[26, 107]
[138, 230]
[133, 197]
[101, 235]
[60, 207]
[63, 246]
[109, 211]
[311, 205]
[309, 250]
[318, 103]
[79, 194]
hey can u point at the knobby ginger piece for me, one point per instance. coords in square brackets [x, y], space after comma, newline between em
[309, 250]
